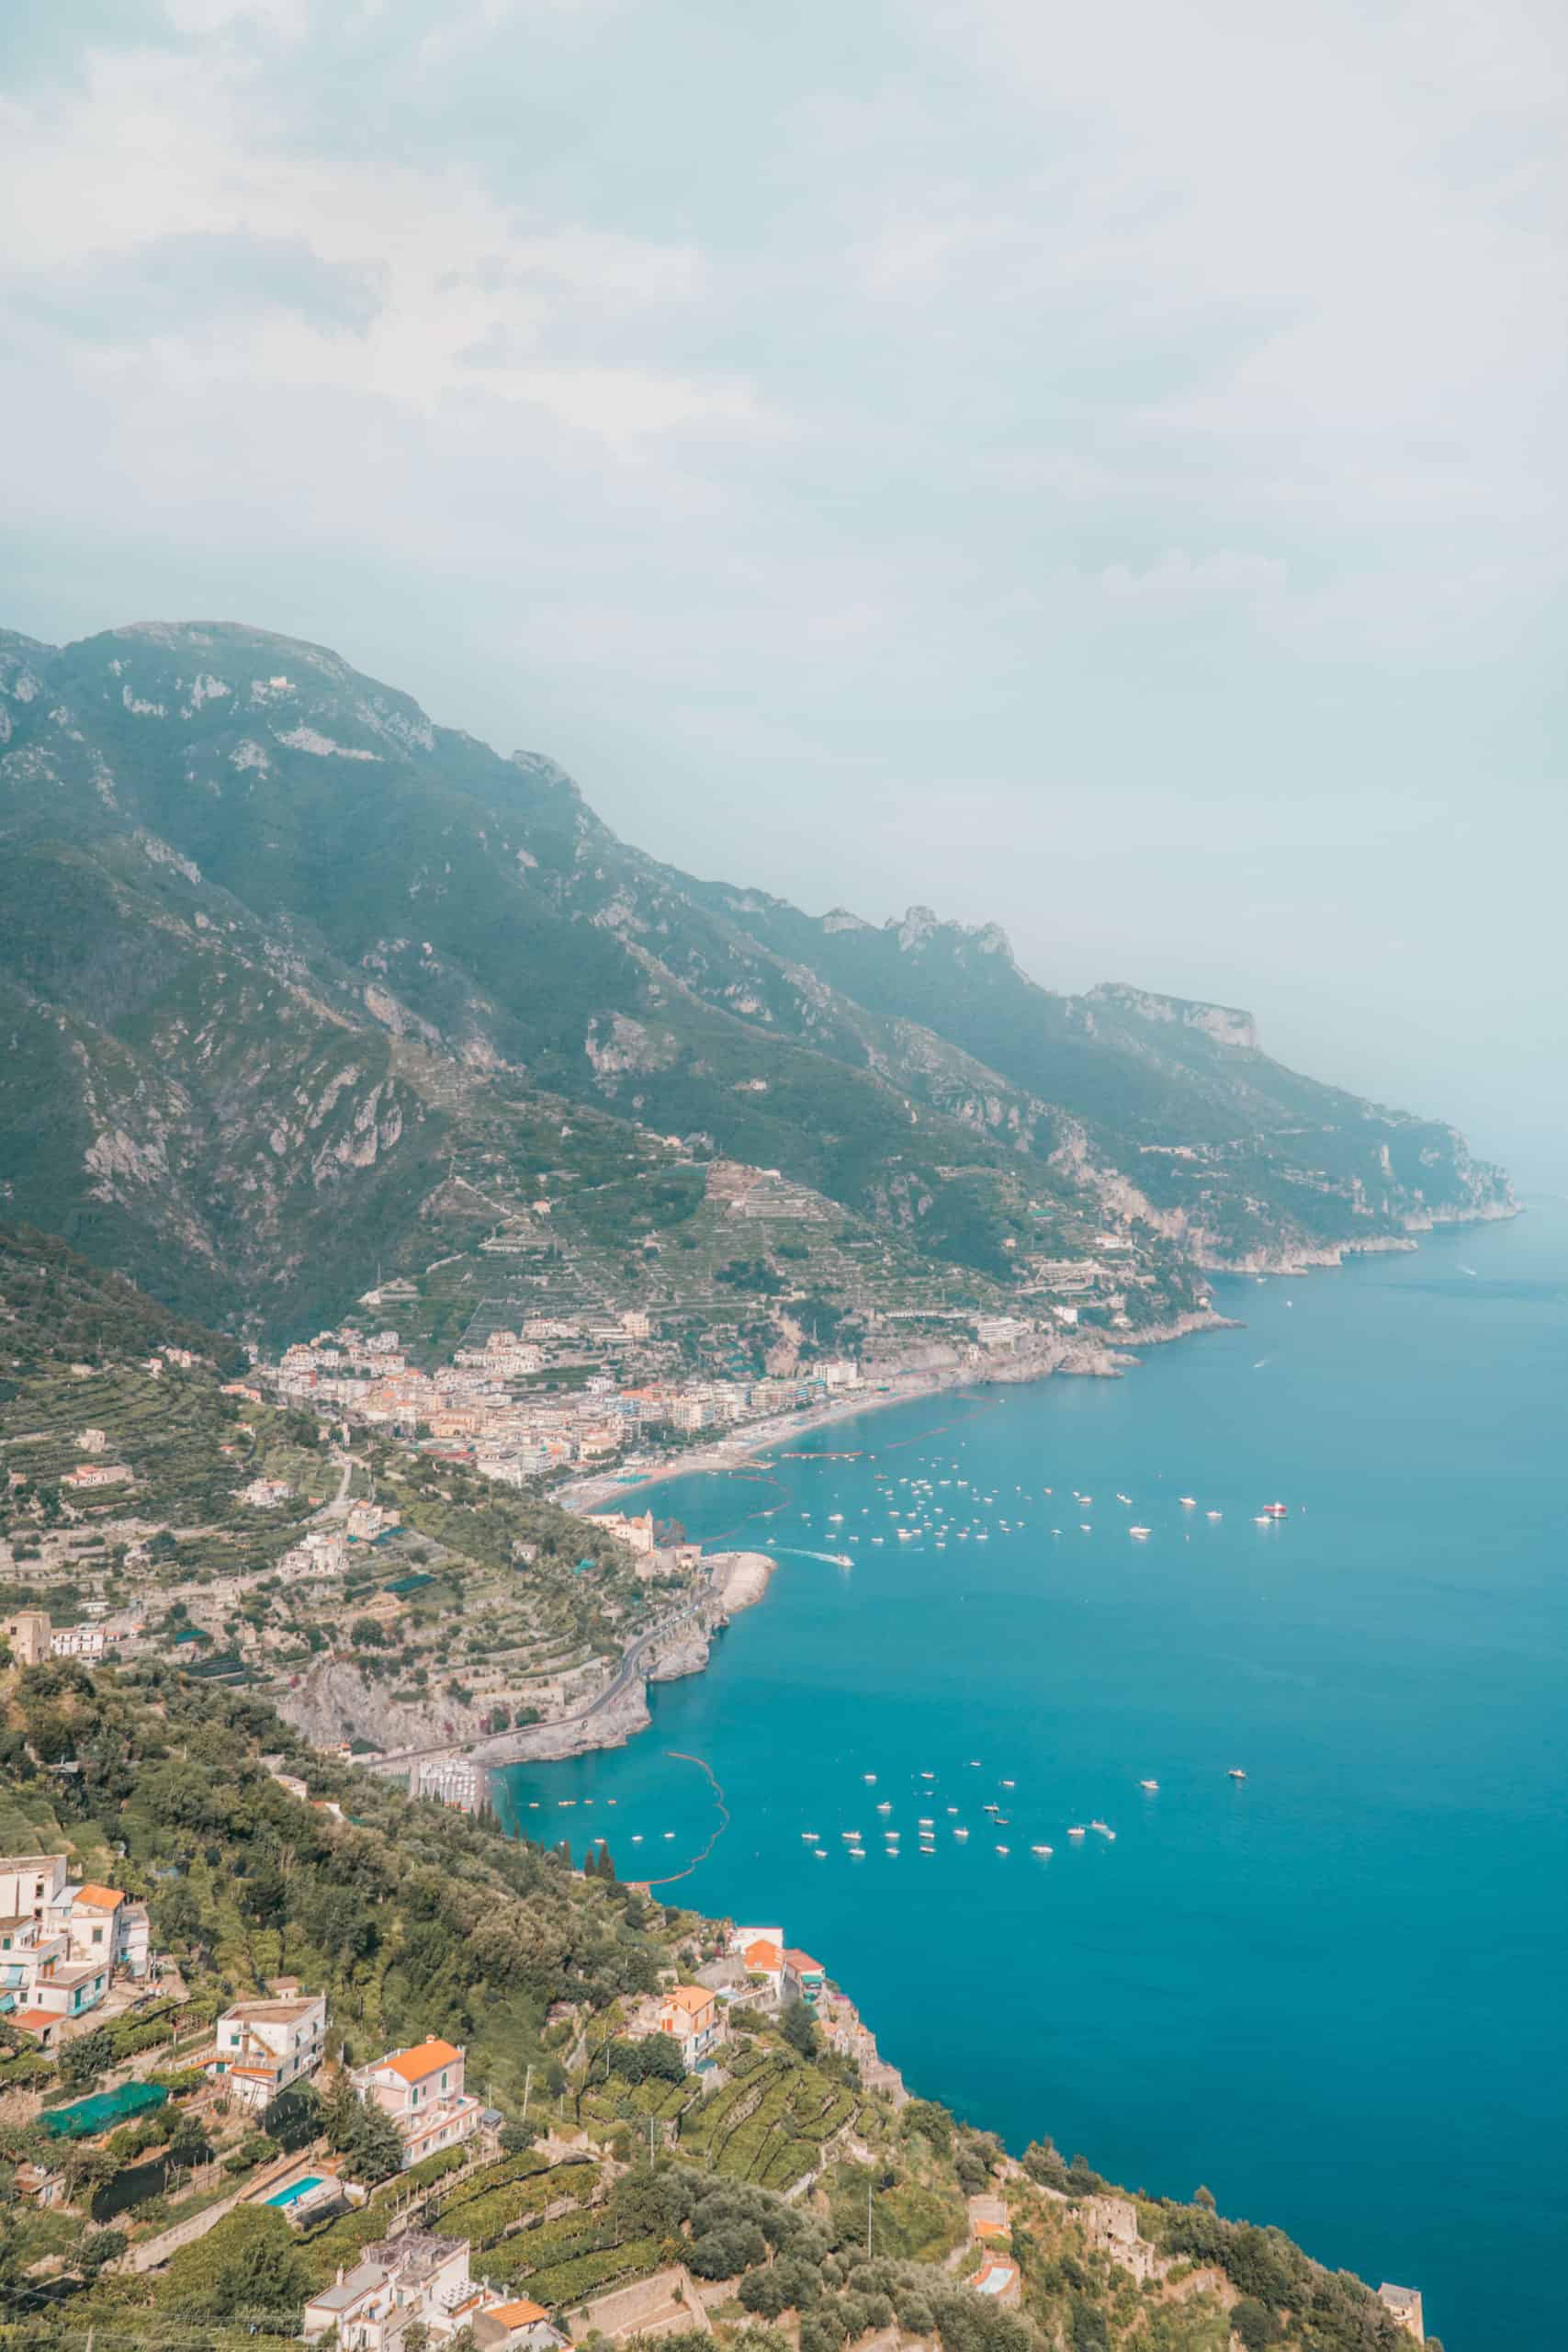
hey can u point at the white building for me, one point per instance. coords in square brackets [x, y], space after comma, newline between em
[398, 2281]
[265, 2045]
[64, 1934]
[78, 1641]
[266, 1494]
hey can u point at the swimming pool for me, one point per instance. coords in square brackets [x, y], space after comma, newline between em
[293, 2191]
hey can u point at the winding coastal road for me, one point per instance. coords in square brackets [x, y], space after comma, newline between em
[632, 1668]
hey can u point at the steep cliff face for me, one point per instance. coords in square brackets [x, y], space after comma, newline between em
[272, 944]
[1223, 1022]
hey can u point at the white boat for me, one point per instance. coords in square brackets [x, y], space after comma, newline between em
[851, 1837]
[669, 1833]
[1236, 1773]
[1096, 1824]
[1076, 1833]
[1213, 1514]
[1040, 1849]
[809, 1835]
[1009, 1784]
[1188, 1502]
[637, 1837]
[925, 1822]
[1141, 1532]
[885, 1807]
[870, 1779]
[1151, 1785]
[961, 1833]
[1004, 1849]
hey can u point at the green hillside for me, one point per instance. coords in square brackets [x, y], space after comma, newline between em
[415, 1922]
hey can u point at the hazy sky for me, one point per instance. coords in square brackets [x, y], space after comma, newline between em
[1099, 467]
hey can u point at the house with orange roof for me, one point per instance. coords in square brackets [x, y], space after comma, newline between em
[49, 1921]
[422, 2089]
[40, 2026]
[763, 1956]
[519, 2326]
[690, 2014]
[808, 1975]
[106, 1924]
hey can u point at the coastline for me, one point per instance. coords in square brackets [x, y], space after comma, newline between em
[1074, 1359]
[742, 1579]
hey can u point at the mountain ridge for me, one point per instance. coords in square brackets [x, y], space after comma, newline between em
[275, 945]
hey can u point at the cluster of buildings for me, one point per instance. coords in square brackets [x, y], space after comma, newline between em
[62, 1942]
[31, 1637]
[485, 1408]
[758, 1967]
[419, 2279]
[264, 2045]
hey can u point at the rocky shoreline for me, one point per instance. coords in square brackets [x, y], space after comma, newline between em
[739, 1580]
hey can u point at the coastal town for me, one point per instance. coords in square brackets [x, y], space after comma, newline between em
[421, 1547]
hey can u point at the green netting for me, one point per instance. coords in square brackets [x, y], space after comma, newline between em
[84, 2117]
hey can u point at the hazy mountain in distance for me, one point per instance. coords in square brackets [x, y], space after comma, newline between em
[276, 951]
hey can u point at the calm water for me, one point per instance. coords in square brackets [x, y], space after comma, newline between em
[1334, 1991]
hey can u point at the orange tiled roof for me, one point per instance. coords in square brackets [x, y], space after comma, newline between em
[101, 1898]
[763, 1955]
[523, 2314]
[984, 2230]
[34, 2020]
[423, 2059]
[803, 1964]
[688, 1996]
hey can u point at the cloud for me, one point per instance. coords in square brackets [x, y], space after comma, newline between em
[398, 283]
[196, 280]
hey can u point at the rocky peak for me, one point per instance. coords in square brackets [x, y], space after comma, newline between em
[1225, 1024]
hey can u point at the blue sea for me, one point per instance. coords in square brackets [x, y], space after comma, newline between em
[1334, 1991]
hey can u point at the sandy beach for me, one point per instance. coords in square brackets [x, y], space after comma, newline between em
[1078, 1358]
[743, 1445]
